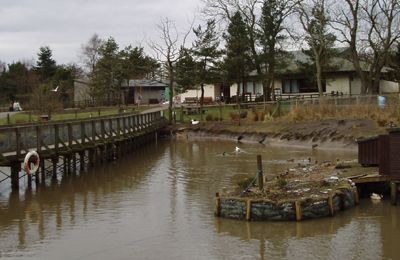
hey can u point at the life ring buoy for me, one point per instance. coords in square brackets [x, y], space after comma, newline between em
[27, 165]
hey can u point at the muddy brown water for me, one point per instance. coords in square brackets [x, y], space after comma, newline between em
[157, 203]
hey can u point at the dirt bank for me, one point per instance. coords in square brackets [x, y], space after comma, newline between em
[324, 134]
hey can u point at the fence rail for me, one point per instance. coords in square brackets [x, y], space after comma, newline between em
[18, 140]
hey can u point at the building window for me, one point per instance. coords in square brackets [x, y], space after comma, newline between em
[290, 86]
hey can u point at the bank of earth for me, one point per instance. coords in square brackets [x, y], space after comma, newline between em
[322, 134]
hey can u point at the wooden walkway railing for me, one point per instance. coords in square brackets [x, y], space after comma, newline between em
[94, 138]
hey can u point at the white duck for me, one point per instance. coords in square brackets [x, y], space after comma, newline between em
[194, 122]
[375, 196]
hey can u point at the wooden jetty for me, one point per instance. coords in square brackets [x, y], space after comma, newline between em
[74, 142]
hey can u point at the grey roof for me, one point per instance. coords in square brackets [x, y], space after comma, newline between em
[337, 64]
[147, 83]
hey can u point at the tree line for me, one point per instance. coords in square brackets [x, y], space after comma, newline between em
[240, 40]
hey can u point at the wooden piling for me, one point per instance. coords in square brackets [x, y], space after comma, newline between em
[299, 212]
[54, 174]
[248, 209]
[217, 211]
[393, 193]
[260, 177]
[15, 169]
[330, 204]
[82, 161]
[43, 170]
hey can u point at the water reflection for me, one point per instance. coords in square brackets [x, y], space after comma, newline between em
[158, 203]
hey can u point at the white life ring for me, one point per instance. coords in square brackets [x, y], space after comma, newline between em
[27, 165]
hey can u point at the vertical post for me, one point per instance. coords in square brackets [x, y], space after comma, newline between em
[15, 169]
[217, 205]
[56, 138]
[54, 176]
[30, 116]
[393, 193]
[8, 119]
[248, 210]
[43, 170]
[330, 204]
[38, 139]
[81, 161]
[299, 213]
[260, 177]
[18, 142]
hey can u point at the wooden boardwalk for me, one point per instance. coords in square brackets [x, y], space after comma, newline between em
[74, 142]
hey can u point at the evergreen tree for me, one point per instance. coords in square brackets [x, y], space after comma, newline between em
[108, 73]
[206, 54]
[45, 66]
[237, 62]
[185, 71]
[271, 35]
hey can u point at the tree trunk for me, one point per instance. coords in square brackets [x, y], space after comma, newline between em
[319, 76]
[201, 100]
[171, 83]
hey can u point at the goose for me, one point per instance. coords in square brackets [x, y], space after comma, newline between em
[55, 90]
[375, 196]
[194, 122]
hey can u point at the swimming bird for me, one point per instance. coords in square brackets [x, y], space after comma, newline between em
[194, 122]
[375, 196]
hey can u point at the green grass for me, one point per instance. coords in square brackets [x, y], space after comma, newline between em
[25, 117]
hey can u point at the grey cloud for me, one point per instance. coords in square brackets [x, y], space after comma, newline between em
[65, 25]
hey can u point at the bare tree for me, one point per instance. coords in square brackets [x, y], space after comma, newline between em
[370, 28]
[315, 20]
[168, 53]
[90, 52]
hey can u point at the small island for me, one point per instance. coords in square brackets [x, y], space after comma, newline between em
[306, 191]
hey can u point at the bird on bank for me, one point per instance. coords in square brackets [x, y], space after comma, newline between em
[194, 122]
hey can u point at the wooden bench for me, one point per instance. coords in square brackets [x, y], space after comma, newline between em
[191, 100]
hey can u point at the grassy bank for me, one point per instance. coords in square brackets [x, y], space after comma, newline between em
[26, 117]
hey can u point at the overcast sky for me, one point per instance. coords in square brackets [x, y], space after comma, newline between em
[65, 25]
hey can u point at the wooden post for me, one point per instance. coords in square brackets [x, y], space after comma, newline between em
[38, 139]
[330, 204]
[15, 169]
[393, 193]
[260, 177]
[299, 213]
[8, 119]
[356, 196]
[43, 170]
[217, 205]
[56, 138]
[248, 210]
[18, 142]
[82, 161]
[54, 175]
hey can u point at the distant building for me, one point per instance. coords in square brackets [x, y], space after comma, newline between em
[143, 91]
